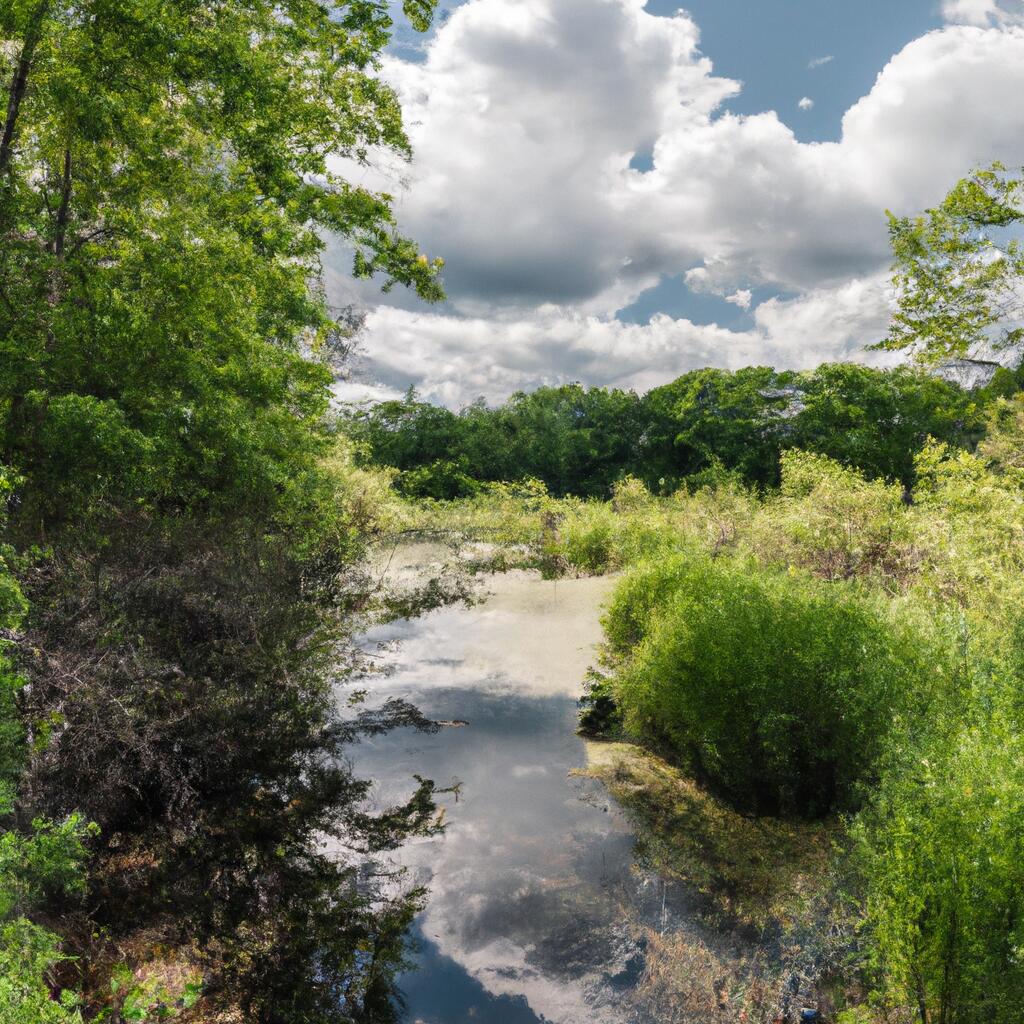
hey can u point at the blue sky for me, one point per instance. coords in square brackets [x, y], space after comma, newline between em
[829, 53]
[770, 45]
[623, 192]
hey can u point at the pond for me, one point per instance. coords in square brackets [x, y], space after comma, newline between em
[533, 889]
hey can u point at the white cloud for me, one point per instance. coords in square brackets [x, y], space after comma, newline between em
[453, 359]
[741, 297]
[983, 13]
[806, 103]
[819, 62]
[351, 392]
[524, 118]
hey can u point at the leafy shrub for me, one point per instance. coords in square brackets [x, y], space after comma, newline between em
[599, 710]
[777, 688]
[37, 862]
[442, 480]
[941, 851]
[829, 520]
[589, 543]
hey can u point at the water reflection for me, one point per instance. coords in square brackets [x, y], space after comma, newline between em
[527, 887]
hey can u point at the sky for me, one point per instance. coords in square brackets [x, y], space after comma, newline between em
[625, 190]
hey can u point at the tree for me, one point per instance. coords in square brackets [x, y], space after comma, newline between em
[738, 419]
[165, 182]
[187, 516]
[877, 420]
[577, 440]
[958, 270]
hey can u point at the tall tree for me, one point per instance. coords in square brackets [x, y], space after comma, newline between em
[168, 170]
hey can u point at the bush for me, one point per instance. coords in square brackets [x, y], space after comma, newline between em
[941, 851]
[442, 480]
[777, 688]
[599, 710]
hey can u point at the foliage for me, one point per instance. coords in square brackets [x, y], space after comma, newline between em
[957, 270]
[576, 440]
[38, 860]
[441, 480]
[703, 428]
[739, 420]
[187, 521]
[941, 851]
[778, 689]
[27, 955]
[876, 421]
[164, 190]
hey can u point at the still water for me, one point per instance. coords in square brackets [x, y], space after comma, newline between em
[532, 886]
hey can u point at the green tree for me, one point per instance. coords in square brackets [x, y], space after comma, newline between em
[957, 270]
[877, 420]
[187, 516]
[577, 440]
[737, 419]
[165, 182]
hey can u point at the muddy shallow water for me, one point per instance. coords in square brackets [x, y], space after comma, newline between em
[533, 891]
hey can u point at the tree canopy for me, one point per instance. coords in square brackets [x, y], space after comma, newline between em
[166, 180]
[580, 441]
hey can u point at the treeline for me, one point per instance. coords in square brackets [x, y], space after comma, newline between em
[181, 519]
[580, 441]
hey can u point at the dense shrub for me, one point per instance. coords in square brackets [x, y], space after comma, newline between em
[941, 854]
[777, 688]
[442, 480]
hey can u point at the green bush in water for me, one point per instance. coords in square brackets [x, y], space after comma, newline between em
[776, 688]
[599, 713]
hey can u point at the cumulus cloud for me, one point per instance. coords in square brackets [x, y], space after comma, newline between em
[741, 297]
[806, 103]
[525, 116]
[455, 359]
[983, 13]
[524, 119]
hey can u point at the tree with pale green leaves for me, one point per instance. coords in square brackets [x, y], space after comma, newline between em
[958, 270]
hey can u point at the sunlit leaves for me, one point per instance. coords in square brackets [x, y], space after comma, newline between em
[958, 270]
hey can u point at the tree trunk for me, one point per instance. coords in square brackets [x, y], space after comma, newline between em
[64, 210]
[19, 83]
